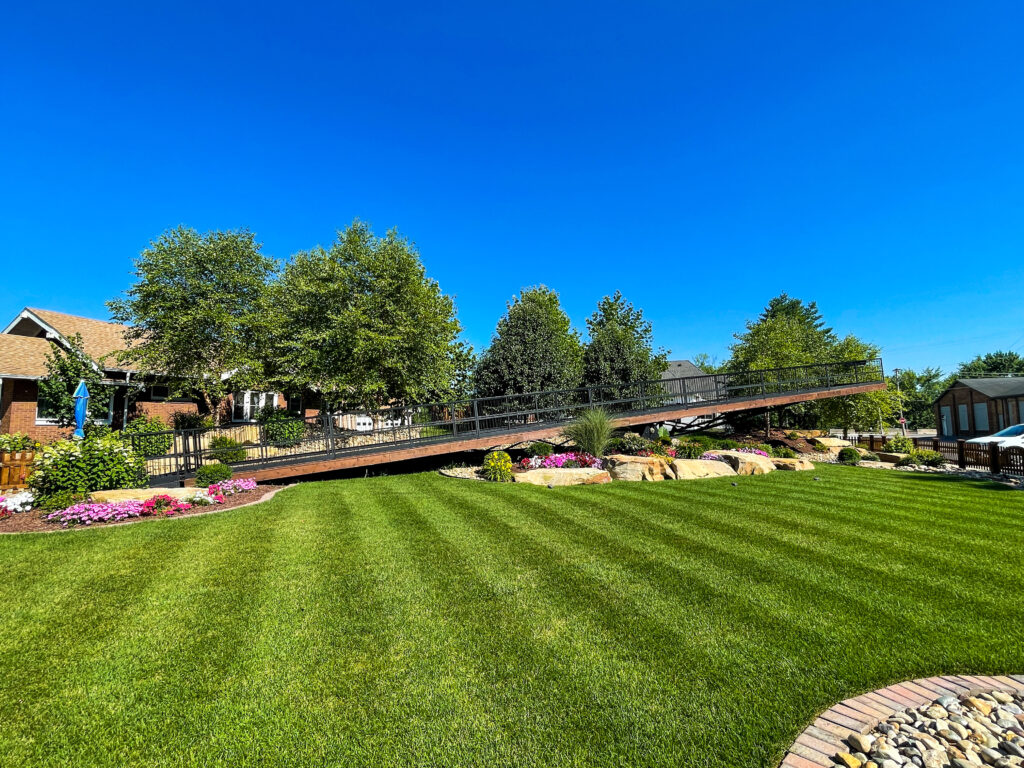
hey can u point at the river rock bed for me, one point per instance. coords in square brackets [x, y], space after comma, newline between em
[984, 729]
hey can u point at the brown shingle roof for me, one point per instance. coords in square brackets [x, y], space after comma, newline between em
[23, 355]
[99, 338]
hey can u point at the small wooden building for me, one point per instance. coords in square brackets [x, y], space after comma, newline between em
[977, 407]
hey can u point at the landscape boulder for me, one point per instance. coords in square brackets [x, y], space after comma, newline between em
[695, 469]
[747, 463]
[638, 468]
[891, 458]
[792, 464]
[830, 444]
[578, 476]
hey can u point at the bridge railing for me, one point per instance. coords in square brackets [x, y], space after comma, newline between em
[333, 435]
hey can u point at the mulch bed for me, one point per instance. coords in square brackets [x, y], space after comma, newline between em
[33, 522]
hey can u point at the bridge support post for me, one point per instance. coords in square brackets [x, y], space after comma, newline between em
[476, 417]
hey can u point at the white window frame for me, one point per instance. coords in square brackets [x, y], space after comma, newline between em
[41, 422]
[249, 409]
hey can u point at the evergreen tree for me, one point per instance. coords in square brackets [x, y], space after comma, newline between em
[620, 349]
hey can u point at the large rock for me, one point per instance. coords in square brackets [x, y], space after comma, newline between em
[140, 494]
[792, 464]
[638, 468]
[830, 444]
[747, 463]
[892, 458]
[695, 469]
[580, 476]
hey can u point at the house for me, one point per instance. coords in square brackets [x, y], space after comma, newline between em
[980, 406]
[697, 390]
[25, 343]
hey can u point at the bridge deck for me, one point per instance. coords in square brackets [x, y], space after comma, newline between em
[316, 463]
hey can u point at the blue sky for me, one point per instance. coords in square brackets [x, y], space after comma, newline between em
[700, 157]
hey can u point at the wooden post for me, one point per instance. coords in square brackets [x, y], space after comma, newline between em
[961, 454]
[476, 417]
[993, 458]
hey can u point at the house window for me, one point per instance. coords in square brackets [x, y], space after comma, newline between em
[247, 404]
[159, 392]
[947, 420]
[47, 412]
[981, 417]
[295, 405]
[961, 416]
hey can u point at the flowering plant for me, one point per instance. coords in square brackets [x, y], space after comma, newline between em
[231, 487]
[562, 461]
[664, 452]
[710, 457]
[21, 501]
[755, 451]
[164, 505]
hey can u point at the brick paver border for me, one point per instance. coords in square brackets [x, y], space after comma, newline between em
[818, 744]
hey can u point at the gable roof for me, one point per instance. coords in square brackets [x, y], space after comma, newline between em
[679, 369]
[23, 356]
[99, 337]
[996, 386]
[25, 342]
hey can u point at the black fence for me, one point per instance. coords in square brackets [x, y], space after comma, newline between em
[327, 436]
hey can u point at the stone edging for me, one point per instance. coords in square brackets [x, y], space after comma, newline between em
[819, 743]
[265, 497]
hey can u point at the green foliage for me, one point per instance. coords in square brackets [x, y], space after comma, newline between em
[157, 444]
[196, 309]
[920, 391]
[793, 435]
[993, 362]
[869, 456]
[18, 441]
[60, 500]
[782, 452]
[191, 420]
[65, 369]
[539, 449]
[687, 450]
[208, 474]
[899, 444]
[629, 444]
[280, 428]
[534, 349]
[922, 459]
[96, 463]
[226, 449]
[497, 467]
[362, 324]
[591, 431]
[849, 456]
[620, 349]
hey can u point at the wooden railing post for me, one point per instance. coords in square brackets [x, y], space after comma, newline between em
[993, 458]
[961, 454]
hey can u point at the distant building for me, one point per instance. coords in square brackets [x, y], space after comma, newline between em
[980, 406]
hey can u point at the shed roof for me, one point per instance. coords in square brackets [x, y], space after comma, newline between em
[679, 369]
[1001, 386]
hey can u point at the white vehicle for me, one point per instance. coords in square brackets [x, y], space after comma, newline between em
[1011, 437]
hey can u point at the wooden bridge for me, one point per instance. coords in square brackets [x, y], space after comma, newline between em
[321, 444]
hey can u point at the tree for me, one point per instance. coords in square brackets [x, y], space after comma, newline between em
[65, 369]
[920, 390]
[620, 349]
[788, 332]
[534, 348]
[866, 410]
[363, 324]
[993, 362]
[194, 311]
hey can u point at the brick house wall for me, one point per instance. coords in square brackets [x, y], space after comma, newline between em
[18, 412]
[1002, 412]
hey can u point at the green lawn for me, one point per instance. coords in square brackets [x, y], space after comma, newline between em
[419, 620]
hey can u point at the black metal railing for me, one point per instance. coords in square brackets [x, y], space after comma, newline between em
[333, 435]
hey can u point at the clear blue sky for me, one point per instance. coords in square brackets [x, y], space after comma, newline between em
[701, 157]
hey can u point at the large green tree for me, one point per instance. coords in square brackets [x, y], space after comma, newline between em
[361, 323]
[195, 310]
[788, 332]
[620, 349]
[534, 348]
[65, 369]
[867, 410]
[993, 362]
[920, 389]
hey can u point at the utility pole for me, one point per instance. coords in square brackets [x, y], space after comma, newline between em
[903, 422]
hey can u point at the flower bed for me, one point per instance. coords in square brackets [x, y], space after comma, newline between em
[562, 461]
[13, 503]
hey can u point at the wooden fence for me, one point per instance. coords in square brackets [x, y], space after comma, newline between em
[14, 470]
[987, 457]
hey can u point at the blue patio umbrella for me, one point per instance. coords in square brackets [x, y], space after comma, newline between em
[81, 408]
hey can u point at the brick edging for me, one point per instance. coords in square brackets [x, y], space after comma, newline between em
[818, 744]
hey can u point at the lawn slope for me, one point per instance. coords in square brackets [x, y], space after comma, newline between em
[419, 620]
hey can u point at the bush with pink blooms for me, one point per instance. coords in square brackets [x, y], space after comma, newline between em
[562, 461]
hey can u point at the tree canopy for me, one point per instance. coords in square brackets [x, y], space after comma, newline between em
[993, 362]
[534, 348]
[65, 369]
[361, 323]
[620, 349]
[195, 308]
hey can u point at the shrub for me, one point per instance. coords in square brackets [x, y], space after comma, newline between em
[689, 451]
[156, 445]
[793, 435]
[849, 456]
[282, 430]
[226, 449]
[899, 444]
[630, 444]
[922, 458]
[191, 420]
[664, 436]
[783, 452]
[539, 449]
[18, 441]
[211, 474]
[96, 463]
[498, 467]
[869, 456]
[591, 431]
[60, 500]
